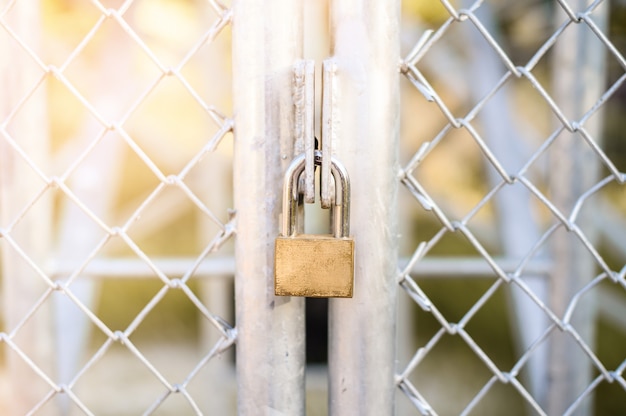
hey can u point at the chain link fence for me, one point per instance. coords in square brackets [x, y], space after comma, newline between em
[517, 271]
[115, 193]
[115, 202]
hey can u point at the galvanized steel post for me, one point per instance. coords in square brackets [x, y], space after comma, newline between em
[267, 40]
[365, 46]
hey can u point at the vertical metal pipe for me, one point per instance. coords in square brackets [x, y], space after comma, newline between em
[365, 46]
[267, 40]
[22, 286]
[579, 77]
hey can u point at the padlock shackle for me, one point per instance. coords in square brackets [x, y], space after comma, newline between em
[341, 228]
[342, 199]
[290, 195]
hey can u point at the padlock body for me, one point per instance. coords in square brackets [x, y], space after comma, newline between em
[317, 266]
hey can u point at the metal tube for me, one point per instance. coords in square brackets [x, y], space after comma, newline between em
[267, 40]
[365, 45]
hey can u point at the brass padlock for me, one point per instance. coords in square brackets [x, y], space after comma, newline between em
[319, 266]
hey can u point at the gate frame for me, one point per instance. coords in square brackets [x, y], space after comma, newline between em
[267, 41]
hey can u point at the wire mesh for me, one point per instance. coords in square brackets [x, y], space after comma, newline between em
[126, 115]
[511, 181]
[514, 187]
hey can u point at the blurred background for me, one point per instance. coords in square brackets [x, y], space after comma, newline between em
[117, 177]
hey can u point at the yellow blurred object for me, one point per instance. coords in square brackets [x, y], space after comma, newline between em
[429, 11]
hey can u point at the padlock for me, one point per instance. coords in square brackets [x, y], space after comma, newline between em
[319, 266]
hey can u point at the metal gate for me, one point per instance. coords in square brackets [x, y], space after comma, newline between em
[142, 149]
